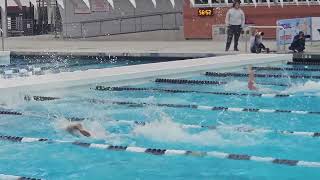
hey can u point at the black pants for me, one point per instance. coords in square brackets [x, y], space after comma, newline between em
[258, 48]
[297, 47]
[233, 30]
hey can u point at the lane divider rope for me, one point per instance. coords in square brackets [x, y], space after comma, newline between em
[104, 88]
[238, 129]
[10, 113]
[270, 68]
[192, 106]
[230, 74]
[174, 152]
[40, 98]
[304, 63]
[13, 177]
[187, 81]
[203, 82]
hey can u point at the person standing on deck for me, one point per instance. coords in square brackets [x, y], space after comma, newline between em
[235, 21]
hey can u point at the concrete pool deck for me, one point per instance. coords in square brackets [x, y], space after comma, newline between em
[47, 44]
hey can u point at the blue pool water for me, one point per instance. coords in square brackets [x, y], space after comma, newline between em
[109, 125]
[51, 65]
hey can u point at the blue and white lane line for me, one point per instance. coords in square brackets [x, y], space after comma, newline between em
[104, 88]
[40, 98]
[6, 112]
[204, 82]
[238, 129]
[231, 74]
[271, 68]
[175, 152]
[200, 107]
[12, 177]
[193, 106]
[304, 63]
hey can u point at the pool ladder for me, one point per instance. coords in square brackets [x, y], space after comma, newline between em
[2, 38]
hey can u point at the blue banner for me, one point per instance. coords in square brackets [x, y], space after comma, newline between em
[291, 27]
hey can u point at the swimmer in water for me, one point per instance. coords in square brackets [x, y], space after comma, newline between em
[251, 79]
[76, 129]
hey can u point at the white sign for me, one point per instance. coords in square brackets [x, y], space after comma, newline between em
[292, 27]
[315, 24]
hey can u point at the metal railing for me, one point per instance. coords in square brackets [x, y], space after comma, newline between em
[2, 39]
[138, 25]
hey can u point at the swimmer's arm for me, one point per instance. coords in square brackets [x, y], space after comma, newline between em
[85, 133]
[72, 130]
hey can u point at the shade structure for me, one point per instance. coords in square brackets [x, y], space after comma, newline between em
[281, 2]
[173, 3]
[133, 2]
[268, 2]
[111, 3]
[60, 3]
[154, 2]
[192, 2]
[18, 2]
[87, 2]
[2, 4]
[255, 3]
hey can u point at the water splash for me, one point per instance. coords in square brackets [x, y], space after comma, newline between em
[96, 130]
[165, 130]
[308, 87]
[237, 86]
[12, 99]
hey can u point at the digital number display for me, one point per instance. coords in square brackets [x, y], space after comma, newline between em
[205, 12]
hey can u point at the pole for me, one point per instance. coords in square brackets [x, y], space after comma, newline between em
[4, 19]
[42, 19]
[2, 39]
[135, 20]
[246, 37]
[284, 42]
[56, 8]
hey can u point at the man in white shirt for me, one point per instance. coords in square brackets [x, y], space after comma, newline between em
[235, 21]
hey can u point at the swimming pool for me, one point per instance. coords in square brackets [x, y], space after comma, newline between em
[187, 126]
[21, 66]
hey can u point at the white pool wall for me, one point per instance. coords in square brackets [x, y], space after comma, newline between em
[138, 73]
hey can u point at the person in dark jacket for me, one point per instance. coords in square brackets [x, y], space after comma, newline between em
[256, 45]
[298, 43]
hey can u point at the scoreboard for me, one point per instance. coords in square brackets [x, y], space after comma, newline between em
[205, 12]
